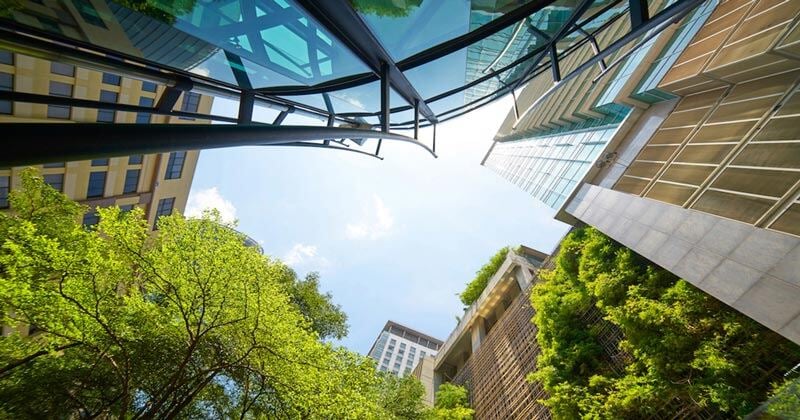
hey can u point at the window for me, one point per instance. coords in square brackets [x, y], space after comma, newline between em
[5, 186]
[144, 117]
[386, 361]
[397, 366]
[91, 218]
[421, 354]
[62, 69]
[131, 181]
[100, 162]
[175, 165]
[126, 207]
[393, 341]
[135, 159]
[407, 371]
[191, 101]
[384, 368]
[56, 181]
[60, 89]
[149, 86]
[97, 184]
[164, 208]
[7, 84]
[53, 165]
[89, 13]
[59, 111]
[6, 57]
[107, 115]
[108, 96]
[402, 345]
[112, 79]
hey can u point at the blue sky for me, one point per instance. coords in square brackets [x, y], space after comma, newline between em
[393, 239]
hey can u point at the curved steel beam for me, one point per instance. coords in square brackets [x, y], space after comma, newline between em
[38, 143]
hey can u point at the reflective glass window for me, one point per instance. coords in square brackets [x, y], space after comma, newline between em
[131, 181]
[100, 162]
[112, 79]
[5, 187]
[6, 57]
[91, 218]
[62, 69]
[175, 165]
[55, 180]
[97, 184]
[53, 165]
[60, 89]
[135, 159]
[144, 117]
[149, 86]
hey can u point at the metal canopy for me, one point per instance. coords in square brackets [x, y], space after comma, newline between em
[315, 60]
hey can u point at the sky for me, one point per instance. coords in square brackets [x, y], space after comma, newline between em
[393, 239]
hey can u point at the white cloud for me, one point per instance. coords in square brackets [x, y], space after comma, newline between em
[302, 254]
[210, 199]
[376, 223]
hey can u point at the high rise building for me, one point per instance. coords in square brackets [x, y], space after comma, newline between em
[683, 146]
[398, 348]
[493, 347]
[159, 183]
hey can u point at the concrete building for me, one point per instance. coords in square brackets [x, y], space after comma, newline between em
[158, 183]
[685, 149]
[494, 347]
[398, 348]
[424, 372]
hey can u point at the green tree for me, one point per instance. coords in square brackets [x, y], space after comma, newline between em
[325, 318]
[401, 397]
[186, 322]
[385, 8]
[452, 403]
[683, 345]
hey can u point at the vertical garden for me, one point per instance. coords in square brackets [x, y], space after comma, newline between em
[624, 338]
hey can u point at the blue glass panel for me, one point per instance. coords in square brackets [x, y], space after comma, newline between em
[410, 26]
[269, 42]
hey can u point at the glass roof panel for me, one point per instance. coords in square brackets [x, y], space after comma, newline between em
[487, 55]
[406, 27]
[271, 42]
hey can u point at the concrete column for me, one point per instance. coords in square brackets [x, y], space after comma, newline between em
[478, 331]
[524, 277]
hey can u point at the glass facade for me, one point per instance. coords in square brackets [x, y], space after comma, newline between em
[549, 167]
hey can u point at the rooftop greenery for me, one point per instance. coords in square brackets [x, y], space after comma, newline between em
[476, 286]
[680, 347]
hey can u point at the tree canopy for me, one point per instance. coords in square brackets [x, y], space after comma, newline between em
[680, 347]
[186, 322]
[452, 403]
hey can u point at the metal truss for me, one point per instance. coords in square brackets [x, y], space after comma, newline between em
[60, 142]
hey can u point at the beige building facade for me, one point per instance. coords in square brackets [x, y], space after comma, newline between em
[158, 183]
